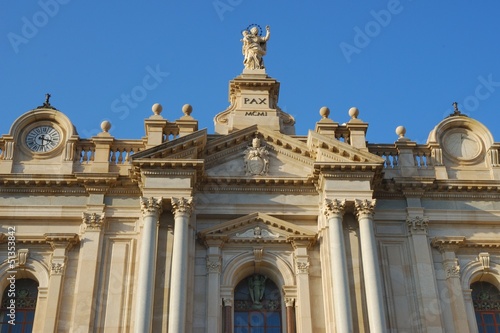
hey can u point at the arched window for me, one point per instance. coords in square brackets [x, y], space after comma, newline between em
[486, 300]
[257, 306]
[22, 294]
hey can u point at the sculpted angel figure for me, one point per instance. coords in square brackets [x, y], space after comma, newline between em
[256, 287]
[254, 47]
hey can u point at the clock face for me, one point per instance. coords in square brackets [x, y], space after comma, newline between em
[43, 139]
[462, 144]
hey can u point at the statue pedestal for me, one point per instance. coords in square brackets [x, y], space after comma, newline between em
[254, 72]
[254, 100]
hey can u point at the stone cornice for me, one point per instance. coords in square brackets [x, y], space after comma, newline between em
[449, 243]
[453, 243]
[432, 188]
[37, 180]
[257, 184]
[56, 240]
[166, 168]
[77, 183]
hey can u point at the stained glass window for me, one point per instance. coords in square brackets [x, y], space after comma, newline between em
[257, 306]
[486, 300]
[18, 306]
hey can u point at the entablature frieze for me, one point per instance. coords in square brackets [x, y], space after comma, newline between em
[151, 168]
[257, 184]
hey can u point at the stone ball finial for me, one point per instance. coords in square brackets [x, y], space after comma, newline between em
[157, 108]
[187, 109]
[401, 131]
[354, 112]
[105, 126]
[324, 112]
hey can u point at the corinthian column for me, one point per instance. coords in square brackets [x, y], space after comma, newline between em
[371, 266]
[181, 208]
[334, 210]
[151, 210]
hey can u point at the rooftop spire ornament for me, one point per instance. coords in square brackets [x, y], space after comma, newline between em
[456, 111]
[254, 46]
[46, 104]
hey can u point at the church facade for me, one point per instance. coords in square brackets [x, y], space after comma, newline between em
[252, 229]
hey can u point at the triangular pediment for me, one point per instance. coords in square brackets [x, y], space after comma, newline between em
[186, 147]
[257, 228]
[326, 149]
[286, 156]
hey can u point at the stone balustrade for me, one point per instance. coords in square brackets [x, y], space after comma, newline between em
[388, 152]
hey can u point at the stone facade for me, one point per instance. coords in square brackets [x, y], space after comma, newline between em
[155, 234]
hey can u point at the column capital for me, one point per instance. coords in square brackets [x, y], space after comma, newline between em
[151, 206]
[333, 208]
[57, 268]
[213, 265]
[365, 208]
[417, 224]
[289, 301]
[92, 221]
[228, 301]
[302, 266]
[452, 268]
[182, 206]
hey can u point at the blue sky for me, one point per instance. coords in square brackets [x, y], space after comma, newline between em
[400, 62]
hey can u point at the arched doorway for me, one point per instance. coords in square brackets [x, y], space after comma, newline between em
[257, 306]
[486, 300]
[24, 292]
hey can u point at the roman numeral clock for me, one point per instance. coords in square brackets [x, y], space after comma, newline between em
[42, 138]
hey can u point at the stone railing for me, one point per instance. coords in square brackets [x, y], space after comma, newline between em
[121, 151]
[388, 152]
[84, 151]
[2, 149]
[391, 154]
[422, 156]
[342, 134]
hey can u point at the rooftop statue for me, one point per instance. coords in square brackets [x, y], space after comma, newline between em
[254, 47]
